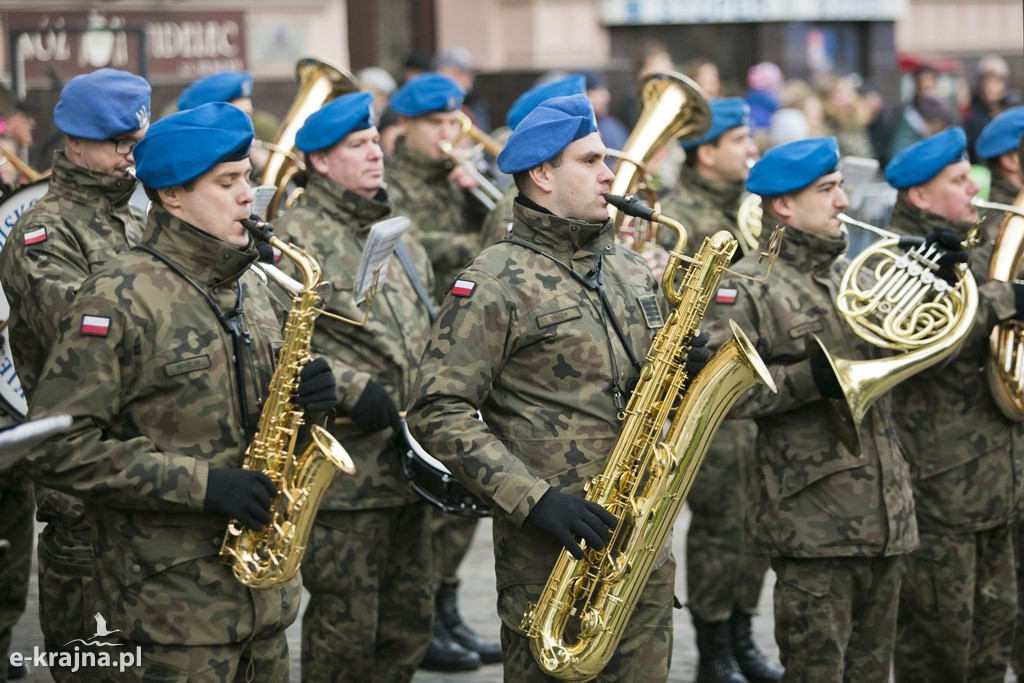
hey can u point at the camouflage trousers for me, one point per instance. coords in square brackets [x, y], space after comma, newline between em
[370, 578]
[261, 660]
[1017, 654]
[65, 575]
[721, 574]
[835, 618]
[16, 527]
[643, 655]
[452, 536]
[957, 608]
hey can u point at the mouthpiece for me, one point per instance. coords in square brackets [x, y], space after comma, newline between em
[259, 228]
[631, 205]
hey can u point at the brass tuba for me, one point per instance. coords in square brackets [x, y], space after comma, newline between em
[673, 107]
[1005, 367]
[583, 609]
[749, 222]
[319, 83]
[892, 299]
[269, 558]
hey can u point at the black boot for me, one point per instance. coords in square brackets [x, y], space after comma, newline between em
[714, 645]
[752, 661]
[445, 653]
[448, 612]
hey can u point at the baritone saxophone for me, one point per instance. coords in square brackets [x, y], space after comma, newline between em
[576, 624]
[268, 558]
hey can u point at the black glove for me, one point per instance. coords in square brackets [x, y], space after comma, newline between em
[698, 355]
[375, 410]
[265, 251]
[317, 392]
[567, 516]
[825, 377]
[244, 495]
[947, 240]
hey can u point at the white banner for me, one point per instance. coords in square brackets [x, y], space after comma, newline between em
[626, 12]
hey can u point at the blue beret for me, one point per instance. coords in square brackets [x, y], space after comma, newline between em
[546, 131]
[426, 94]
[923, 160]
[726, 113]
[1001, 135]
[528, 101]
[102, 104]
[333, 121]
[793, 166]
[183, 146]
[223, 87]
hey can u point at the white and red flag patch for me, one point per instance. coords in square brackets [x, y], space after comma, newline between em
[35, 236]
[725, 295]
[463, 287]
[95, 325]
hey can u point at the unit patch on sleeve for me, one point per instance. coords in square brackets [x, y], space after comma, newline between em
[725, 295]
[95, 325]
[463, 288]
[35, 236]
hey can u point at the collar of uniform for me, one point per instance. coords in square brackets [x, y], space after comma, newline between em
[88, 187]
[809, 251]
[561, 237]
[206, 259]
[1002, 190]
[723, 194]
[352, 210]
[907, 219]
[418, 163]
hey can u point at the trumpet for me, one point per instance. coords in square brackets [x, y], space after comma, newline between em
[31, 174]
[893, 299]
[485, 192]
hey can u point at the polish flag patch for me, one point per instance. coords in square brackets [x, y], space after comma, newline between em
[95, 325]
[463, 287]
[725, 295]
[35, 237]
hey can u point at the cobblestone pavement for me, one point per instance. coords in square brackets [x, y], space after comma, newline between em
[477, 598]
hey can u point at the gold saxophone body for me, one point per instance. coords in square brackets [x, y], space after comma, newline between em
[269, 558]
[581, 614]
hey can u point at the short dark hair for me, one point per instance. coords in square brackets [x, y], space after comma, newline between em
[521, 179]
[690, 160]
[154, 196]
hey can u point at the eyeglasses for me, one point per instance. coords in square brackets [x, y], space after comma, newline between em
[124, 146]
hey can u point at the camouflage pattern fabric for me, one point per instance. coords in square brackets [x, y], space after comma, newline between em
[163, 407]
[703, 206]
[957, 608]
[812, 497]
[81, 222]
[499, 220]
[452, 537]
[643, 655]
[835, 617]
[16, 508]
[447, 219]
[370, 576]
[66, 606]
[260, 660]
[721, 574]
[332, 224]
[529, 346]
[967, 461]
[368, 566]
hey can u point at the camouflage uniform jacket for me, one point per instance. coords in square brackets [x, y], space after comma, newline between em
[966, 458]
[332, 224]
[530, 347]
[813, 498]
[499, 219]
[441, 211]
[154, 393]
[703, 206]
[81, 222]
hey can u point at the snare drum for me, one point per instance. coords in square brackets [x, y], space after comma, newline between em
[428, 477]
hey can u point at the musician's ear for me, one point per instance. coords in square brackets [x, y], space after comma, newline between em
[170, 197]
[318, 160]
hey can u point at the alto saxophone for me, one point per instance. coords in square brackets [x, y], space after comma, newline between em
[269, 558]
[581, 614]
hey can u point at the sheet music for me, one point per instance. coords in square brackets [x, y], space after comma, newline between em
[380, 244]
[262, 196]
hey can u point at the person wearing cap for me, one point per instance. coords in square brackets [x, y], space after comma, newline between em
[233, 87]
[523, 337]
[835, 523]
[423, 186]
[723, 576]
[176, 342]
[964, 454]
[499, 219]
[16, 130]
[367, 564]
[82, 221]
[457, 64]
